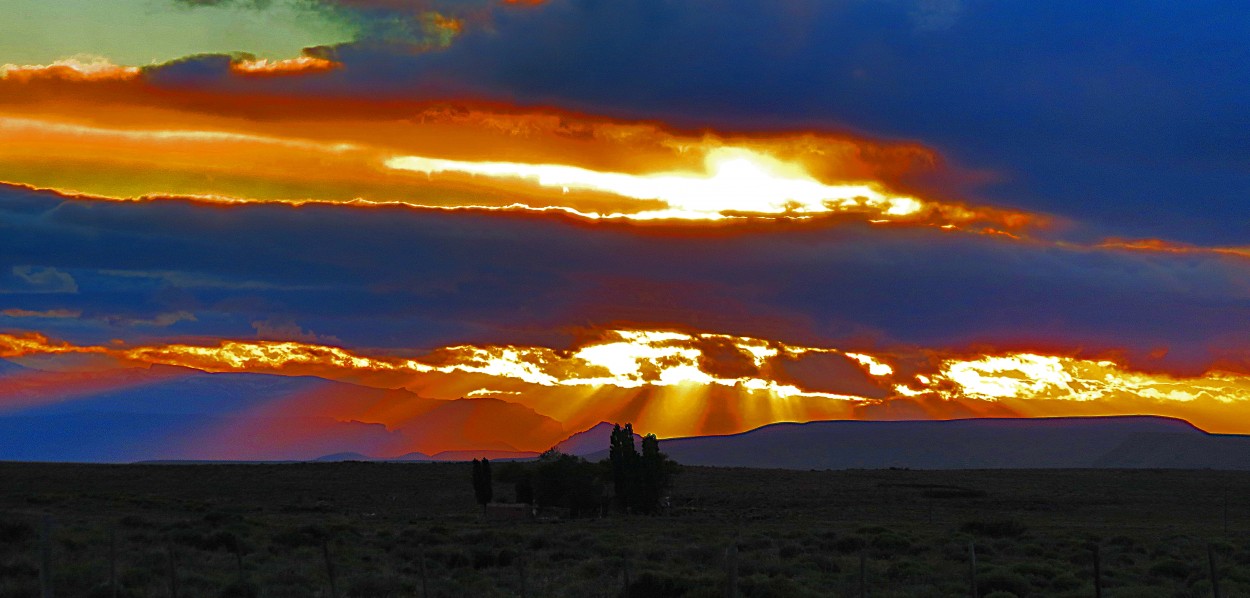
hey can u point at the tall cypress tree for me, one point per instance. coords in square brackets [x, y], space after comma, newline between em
[616, 458]
[654, 475]
[633, 473]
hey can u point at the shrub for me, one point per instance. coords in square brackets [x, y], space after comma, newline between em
[308, 535]
[13, 532]
[12, 570]
[240, 589]
[1000, 580]
[654, 585]
[789, 550]
[103, 590]
[136, 521]
[483, 558]
[374, 586]
[1001, 528]
[451, 558]
[890, 543]
[1170, 568]
[759, 586]
[850, 544]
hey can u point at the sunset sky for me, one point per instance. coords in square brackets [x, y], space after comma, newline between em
[699, 216]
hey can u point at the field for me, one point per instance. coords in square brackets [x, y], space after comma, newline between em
[390, 529]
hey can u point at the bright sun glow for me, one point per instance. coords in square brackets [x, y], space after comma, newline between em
[735, 181]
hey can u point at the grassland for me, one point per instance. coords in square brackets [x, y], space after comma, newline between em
[402, 529]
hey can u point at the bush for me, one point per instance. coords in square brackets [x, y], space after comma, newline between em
[654, 585]
[1170, 568]
[374, 586]
[1000, 580]
[759, 586]
[136, 522]
[1002, 528]
[14, 570]
[890, 543]
[850, 544]
[240, 589]
[309, 535]
[13, 532]
[103, 590]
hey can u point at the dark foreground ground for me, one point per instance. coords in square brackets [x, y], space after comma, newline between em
[392, 529]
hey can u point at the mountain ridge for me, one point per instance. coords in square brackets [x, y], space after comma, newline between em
[974, 443]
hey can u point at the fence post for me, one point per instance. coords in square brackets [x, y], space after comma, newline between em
[172, 560]
[863, 573]
[425, 584]
[113, 562]
[45, 557]
[521, 569]
[1226, 511]
[625, 575]
[731, 569]
[972, 568]
[325, 552]
[1215, 574]
[1097, 572]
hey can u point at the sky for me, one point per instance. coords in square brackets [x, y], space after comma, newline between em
[699, 216]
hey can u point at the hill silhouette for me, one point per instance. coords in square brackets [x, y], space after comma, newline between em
[1016, 443]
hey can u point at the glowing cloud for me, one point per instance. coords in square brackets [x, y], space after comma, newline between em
[621, 358]
[679, 376]
[289, 66]
[736, 181]
[1031, 377]
[148, 141]
[76, 68]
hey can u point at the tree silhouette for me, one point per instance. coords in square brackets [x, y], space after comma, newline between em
[567, 481]
[654, 475]
[624, 460]
[639, 480]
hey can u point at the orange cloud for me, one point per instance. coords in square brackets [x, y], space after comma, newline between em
[145, 141]
[1162, 246]
[80, 69]
[290, 66]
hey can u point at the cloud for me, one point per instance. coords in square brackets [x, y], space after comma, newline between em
[678, 377]
[162, 320]
[1080, 110]
[47, 313]
[392, 277]
[936, 15]
[1076, 110]
[284, 329]
[38, 279]
[76, 68]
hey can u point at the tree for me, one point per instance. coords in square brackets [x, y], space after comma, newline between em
[567, 481]
[639, 480]
[624, 461]
[656, 474]
[483, 486]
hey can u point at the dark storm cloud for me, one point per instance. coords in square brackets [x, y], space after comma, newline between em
[407, 278]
